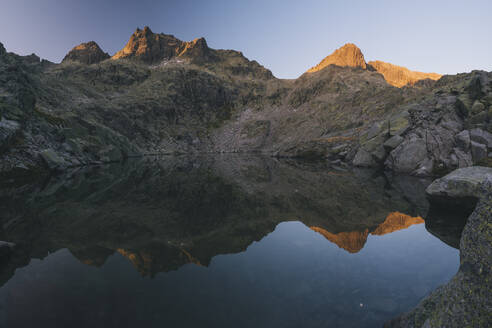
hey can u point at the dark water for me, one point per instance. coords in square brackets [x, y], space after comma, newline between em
[217, 242]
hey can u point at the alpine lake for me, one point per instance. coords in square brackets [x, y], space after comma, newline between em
[219, 241]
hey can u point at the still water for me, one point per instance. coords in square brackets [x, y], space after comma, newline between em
[221, 242]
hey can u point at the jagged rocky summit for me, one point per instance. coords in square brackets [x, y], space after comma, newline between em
[163, 95]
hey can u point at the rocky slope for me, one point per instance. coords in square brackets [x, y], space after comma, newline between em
[163, 95]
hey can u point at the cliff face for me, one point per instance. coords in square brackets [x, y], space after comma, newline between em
[86, 53]
[348, 55]
[399, 76]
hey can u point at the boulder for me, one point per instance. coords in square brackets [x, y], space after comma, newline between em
[479, 151]
[363, 158]
[462, 140]
[408, 156]
[461, 186]
[393, 142]
[477, 107]
[481, 136]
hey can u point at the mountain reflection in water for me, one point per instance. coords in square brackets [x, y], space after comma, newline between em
[163, 213]
[354, 241]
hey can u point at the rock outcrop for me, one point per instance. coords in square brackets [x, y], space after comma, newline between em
[86, 53]
[465, 301]
[348, 55]
[399, 76]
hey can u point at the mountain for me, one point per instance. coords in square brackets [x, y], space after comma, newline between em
[86, 53]
[149, 47]
[348, 55]
[161, 95]
[400, 76]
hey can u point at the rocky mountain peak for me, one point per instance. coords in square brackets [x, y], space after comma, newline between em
[86, 53]
[151, 47]
[2, 49]
[348, 55]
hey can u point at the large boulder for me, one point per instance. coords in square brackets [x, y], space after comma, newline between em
[411, 155]
[481, 136]
[461, 186]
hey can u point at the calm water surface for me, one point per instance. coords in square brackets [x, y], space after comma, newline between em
[223, 242]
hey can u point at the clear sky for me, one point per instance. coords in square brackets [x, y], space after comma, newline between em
[285, 36]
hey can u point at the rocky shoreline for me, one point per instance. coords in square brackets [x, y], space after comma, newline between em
[465, 301]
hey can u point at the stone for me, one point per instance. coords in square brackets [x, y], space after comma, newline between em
[399, 124]
[462, 140]
[463, 158]
[481, 136]
[407, 157]
[425, 169]
[393, 142]
[379, 154]
[461, 184]
[52, 160]
[363, 158]
[374, 130]
[478, 151]
[477, 107]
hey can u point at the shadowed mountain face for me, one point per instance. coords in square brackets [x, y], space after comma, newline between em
[162, 213]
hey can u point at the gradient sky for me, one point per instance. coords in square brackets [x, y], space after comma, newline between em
[285, 36]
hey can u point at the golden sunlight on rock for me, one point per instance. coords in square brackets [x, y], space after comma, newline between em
[396, 221]
[348, 55]
[399, 76]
